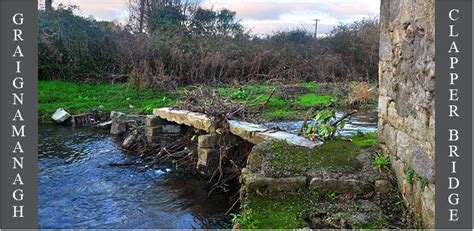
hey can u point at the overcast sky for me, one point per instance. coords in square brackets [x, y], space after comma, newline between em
[261, 16]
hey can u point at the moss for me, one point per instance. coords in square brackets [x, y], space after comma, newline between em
[365, 140]
[291, 210]
[279, 211]
[288, 160]
[336, 155]
[313, 100]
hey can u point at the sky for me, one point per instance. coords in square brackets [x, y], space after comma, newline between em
[262, 17]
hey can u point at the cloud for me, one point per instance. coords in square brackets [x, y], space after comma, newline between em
[267, 16]
[100, 9]
[262, 16]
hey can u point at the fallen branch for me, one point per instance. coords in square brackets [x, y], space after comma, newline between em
[305, 122]
[262, 106]
[335, 123]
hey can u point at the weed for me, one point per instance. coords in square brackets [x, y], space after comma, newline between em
[330, 195]
[247, 220]
[361, 95]
[410, 176]
[324, 129]
[423, 182]
[239, 95]
[381, 162]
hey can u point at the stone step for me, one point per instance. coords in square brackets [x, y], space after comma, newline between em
[250, 132]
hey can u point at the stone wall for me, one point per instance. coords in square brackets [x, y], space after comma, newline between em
[406, 101]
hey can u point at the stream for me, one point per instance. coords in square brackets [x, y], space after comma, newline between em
[364, 121]
[79, 189]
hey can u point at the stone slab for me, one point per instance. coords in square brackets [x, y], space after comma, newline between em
[192, 119]
[250, 132]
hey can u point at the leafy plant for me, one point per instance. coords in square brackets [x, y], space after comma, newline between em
[240, 94]
[330, 195]
[324, 129]
[410, 174]
[148, 109]
[381, 162]
[247, 220]
[423, 182]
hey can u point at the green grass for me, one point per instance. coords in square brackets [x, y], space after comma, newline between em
[311, 100]
[80, 98]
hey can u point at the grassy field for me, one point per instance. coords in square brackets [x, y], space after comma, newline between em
[287, 102]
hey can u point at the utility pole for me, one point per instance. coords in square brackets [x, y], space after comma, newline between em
[316, 28]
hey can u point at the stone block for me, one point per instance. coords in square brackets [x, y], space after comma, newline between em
[382, 186]
[422, 164]
[340, 185]
[209, 141]
[119, 124]
[153, 121]
[60, 115]
[404, 150]
[130, 139]
[208, 159]
[252, 182]
[153, 131]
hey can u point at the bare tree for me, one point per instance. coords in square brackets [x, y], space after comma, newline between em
[48, 5]
[141, 11]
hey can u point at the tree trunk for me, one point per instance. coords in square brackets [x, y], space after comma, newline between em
[142, 14]
[48, 5]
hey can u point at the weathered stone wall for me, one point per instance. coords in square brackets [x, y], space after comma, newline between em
[406, 101]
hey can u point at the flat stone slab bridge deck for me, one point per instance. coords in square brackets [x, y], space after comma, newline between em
[250, 132]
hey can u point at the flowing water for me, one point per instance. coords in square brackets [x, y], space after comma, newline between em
[78, 188]
[360, 122]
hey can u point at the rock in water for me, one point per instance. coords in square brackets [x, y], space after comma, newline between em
[130, 140]
[60, 115]
[119, 125]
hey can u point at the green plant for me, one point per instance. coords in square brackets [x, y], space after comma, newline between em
[324, 129]
[381, 162]
[239, 95]
[247, 220]
[423, 182]
[410, 176]
[330, 195]
[148, 109]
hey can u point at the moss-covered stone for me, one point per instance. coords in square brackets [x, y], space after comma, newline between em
[306, 208]
[279, 159]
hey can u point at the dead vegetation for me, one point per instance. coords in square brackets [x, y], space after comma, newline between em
[361, 95]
